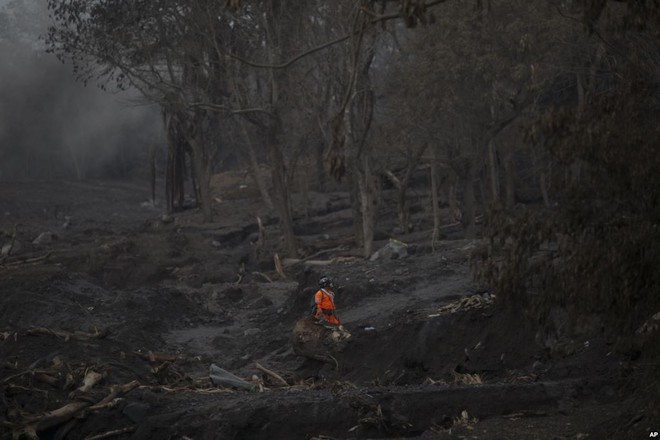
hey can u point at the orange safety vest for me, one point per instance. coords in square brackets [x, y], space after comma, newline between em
[325, 306]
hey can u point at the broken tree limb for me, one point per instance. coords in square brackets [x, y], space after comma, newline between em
[263, 275]
[278, 266]
[27, 260]
[46, 378]
[59, 415]
[115, 391]
[67, 335]
[112, 433]
[38, 374]
[272, 374]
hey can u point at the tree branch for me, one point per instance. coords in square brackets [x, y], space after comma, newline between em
[376, 19]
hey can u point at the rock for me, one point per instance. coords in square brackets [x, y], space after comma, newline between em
[6, 249]
[224, 378]
[166, 218]
[11, 249]
[136, 411]
[216, 244]
[44, 238]
[251, 331]
[67, 222]
[538, 366]
[393, 250]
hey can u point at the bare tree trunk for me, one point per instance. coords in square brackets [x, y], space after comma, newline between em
[254, 165]
[152, 171]
[282, 199]
[434, 199]
[170, 173]
[510, 187]
[544, 185]
[452, 199]
[493, 171]
[179, 169]
[355, 203]
[468, 219]
[402, 202]
[367, 205]
[76, 162]
[202, 168]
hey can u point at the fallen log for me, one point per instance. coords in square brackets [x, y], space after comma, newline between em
[32, 425]
[26, 261]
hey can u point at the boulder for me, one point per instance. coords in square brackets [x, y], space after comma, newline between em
[391, 251]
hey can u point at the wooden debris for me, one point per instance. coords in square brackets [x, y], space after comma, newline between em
[67, 335]
[46, 378]
[306, 262]
[650, 326]
[160, 368]
[26, 261]
[187, 389]
[262, 232]
[32, 425]
[263, 275]
[278, 266]
[115, 391]
[466, 303]
[467, 379]
[113, 433]
[91, 379]
[272, 374]
[4, 336]
[157, 357]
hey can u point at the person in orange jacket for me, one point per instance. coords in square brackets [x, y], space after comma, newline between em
[324, 300]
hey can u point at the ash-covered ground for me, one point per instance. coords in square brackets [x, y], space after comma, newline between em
[110, 321]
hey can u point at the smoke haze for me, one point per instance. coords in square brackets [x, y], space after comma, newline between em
[52, 126]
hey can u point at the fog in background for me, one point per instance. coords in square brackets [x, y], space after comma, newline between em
[53, 127]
